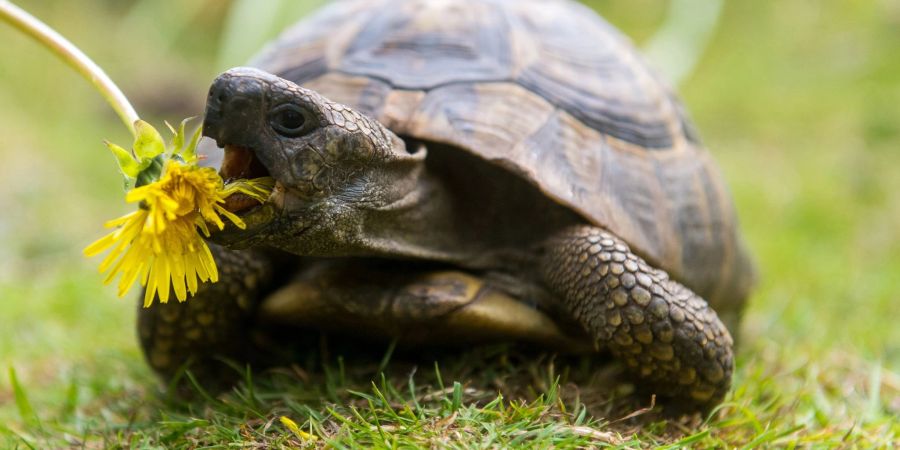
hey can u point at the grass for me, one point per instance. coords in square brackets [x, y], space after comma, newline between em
[799, 104]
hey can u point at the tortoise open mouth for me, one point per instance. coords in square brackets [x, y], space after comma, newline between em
[241, 163]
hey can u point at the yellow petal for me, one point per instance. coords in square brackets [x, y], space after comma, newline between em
[149, 291]
[99, 245]
[291, 425]
[178, 278]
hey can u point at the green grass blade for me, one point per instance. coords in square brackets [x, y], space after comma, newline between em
[687, 441]
[457, 397]
[71, 400]
[386, 359]
[26, 410]
[27, 440]
[874, 401]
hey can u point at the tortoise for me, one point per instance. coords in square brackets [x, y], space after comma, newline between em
[454, 172]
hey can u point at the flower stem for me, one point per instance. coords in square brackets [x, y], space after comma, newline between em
[71, 55]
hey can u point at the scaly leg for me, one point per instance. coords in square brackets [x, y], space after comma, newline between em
[213, 324]
[667, 335]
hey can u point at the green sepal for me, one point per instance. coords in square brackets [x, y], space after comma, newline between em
[152, 173]
[178, 142]
[147, 141]
[190, 152]
[177, 137]
[127, 164]
[170, 127]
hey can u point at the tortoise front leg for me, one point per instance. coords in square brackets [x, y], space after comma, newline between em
[667, 335]
[213, 324]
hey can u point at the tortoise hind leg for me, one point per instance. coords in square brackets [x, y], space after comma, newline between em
[211, 325]
[667, 335]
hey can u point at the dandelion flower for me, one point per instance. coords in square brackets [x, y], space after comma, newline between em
[161, 244]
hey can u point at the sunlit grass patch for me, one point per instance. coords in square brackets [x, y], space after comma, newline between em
[347, 406]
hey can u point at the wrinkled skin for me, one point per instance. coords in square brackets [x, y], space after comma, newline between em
[328, 175]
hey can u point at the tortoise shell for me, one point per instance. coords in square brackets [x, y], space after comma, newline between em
[547, 90]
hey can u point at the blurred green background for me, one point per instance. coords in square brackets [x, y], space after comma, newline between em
[798, 101]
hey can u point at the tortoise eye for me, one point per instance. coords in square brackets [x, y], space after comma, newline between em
[290, 120]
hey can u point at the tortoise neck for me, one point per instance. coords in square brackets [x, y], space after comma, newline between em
[419, 221]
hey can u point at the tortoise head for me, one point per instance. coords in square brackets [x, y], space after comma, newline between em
[331, 164]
